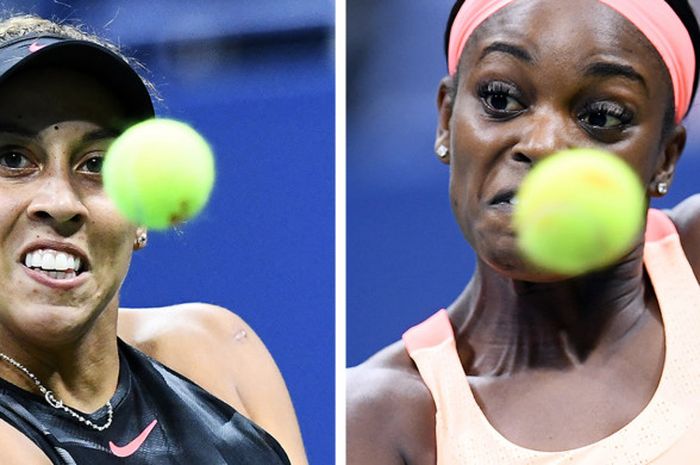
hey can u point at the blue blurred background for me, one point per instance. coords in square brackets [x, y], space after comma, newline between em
[255, 77]
[406, 257]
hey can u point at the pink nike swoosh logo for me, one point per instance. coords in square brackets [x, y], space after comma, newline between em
[133, 446]
[35, 47]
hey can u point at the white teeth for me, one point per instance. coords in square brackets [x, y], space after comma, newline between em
[61, 262]
[52, 260]
[48, 261]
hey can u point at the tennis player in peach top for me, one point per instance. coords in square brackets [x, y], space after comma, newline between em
[526, 367]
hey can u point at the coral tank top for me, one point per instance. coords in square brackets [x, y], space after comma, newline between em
[666, 432]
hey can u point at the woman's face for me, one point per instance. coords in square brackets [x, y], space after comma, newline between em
[541, 76]
[55, 126]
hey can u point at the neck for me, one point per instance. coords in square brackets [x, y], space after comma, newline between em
[83, 373]
[505, 326]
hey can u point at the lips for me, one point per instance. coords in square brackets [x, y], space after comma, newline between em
[55, 264]
[64, 284]
[53, 261]
[38, 249]
[504, 198]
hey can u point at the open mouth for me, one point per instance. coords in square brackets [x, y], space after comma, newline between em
[55, 264]
[505, 198]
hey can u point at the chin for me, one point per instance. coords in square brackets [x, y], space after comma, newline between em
[50, 325]
[513, 266]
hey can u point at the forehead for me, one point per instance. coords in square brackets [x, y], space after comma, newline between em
[40, 97]
[568, 31]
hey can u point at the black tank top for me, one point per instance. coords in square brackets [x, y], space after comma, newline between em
[159, 418]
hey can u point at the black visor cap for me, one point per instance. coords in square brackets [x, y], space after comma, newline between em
[85, 57]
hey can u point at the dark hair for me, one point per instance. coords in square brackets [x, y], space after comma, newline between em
[681, 7]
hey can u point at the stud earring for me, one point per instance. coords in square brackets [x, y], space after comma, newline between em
[141, 241]
[662, 188]
[442, 151]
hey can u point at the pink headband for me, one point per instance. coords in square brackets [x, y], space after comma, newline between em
[656, 20]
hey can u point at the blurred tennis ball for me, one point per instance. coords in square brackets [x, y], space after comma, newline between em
[579, 210]
[159, 172]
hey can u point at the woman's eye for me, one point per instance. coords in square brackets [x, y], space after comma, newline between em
[602, 120]
[605, 115]
[503, 102]
[92, 165]
[500, 97]
[15, 160]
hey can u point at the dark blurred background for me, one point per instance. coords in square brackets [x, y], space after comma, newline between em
[255, 77]
[406, 257]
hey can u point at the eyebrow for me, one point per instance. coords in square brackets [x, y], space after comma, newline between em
[97, 134]
[607, 69]
[504, 47]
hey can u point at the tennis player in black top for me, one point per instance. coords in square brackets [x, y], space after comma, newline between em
[81, 380]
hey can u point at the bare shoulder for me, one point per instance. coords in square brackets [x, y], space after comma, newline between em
[686, 217]
[197, 340]
[17, 448]
[219, 351]
[154, 323]
[390, 412]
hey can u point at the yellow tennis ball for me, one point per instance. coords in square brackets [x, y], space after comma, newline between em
[578, 210]
[159, 172]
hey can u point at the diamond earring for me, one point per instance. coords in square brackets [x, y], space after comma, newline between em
[662, 188]
[442, 151]
[141, 241]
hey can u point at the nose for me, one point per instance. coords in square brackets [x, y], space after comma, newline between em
[57, 203]
[543, 134]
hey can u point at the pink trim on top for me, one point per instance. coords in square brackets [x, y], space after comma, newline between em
[430, 333]
[654, 18]
[659, 226]
[471, 14]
